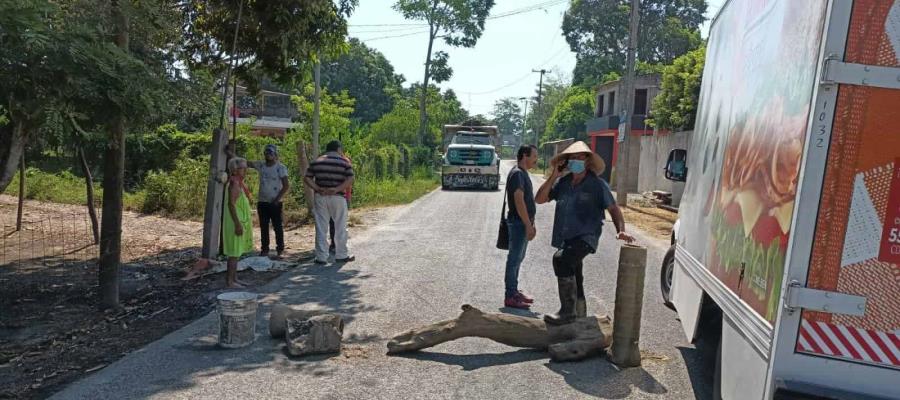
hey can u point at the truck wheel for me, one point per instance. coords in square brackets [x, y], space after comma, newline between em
[665, 277]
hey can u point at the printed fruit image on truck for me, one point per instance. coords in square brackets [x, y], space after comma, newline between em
[471, 157]
[786, 253]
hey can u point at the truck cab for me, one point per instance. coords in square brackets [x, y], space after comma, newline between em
[470, 158]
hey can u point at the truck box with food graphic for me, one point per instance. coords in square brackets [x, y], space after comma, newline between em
[789, 229]
[471, 157]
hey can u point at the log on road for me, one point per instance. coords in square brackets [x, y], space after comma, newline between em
[583, 338]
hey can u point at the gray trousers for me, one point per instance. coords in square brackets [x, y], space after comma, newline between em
[328, 208]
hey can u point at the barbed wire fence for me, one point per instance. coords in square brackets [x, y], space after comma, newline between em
[63, 238]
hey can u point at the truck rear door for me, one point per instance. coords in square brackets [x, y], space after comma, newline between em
[839, 323]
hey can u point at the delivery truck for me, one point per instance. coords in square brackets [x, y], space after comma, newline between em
[786, 252]
[471, 156]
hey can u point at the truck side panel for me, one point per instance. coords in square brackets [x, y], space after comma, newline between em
[856, 249]
[744, 160]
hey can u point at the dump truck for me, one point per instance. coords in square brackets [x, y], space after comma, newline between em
[471, 157]
[786, 254]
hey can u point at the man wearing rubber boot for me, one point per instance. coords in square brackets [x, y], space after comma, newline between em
[581, 198]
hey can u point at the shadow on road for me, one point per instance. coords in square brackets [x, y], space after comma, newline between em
[192, 356]
[700, 365]
[600, 378]
[471, 362]
[519, 312]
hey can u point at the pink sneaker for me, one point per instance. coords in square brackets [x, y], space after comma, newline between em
[524, 297]
[516, 302]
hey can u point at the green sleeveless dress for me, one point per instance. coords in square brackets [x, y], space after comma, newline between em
[233, 245]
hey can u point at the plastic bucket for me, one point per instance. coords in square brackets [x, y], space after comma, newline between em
[237, 319]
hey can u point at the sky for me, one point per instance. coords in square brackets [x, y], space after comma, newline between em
[519, 37]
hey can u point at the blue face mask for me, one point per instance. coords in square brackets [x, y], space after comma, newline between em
[576, 166]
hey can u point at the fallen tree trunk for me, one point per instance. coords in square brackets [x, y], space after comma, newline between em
[580, 339]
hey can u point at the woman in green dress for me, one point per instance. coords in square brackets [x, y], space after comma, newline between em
[237, 224]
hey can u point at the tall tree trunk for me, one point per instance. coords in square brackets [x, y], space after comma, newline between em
[89, 188]
[317, 101]
[113, 188]
[21, 193]
[12, 146]
[423, 115]
[303, 161]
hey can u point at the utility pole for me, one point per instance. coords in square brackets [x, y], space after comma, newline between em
[540, 104]
[625, 166]
[215, 187]
[524, 121]
[317, 98]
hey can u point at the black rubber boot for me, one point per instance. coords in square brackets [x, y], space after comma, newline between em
[580, 308]
[568, 291]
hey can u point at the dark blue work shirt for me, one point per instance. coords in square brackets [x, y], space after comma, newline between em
[580, 209]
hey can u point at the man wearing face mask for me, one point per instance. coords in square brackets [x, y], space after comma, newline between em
[581, 198]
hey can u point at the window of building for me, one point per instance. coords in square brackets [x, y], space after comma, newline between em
[640, 102]
[600, 105]
[612, 103]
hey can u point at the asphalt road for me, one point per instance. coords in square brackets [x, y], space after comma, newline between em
[415, 268]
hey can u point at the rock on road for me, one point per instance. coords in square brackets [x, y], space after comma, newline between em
[416, 268]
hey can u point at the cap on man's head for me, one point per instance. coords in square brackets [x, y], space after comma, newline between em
[271, 149]
[333, 145]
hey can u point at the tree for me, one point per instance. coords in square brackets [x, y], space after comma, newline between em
[459, 22]
[508, 116]
[277, 39]
[334, 113]
[597, 31]
[400, 125]
[553, 92]
[374, 93]
[676, 105]
[567, 120]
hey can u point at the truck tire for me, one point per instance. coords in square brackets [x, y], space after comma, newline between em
[665, 277]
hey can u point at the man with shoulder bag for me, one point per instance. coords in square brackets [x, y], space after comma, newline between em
[519, 223]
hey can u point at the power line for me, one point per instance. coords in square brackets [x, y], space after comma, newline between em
[520, 79]
[409, 26]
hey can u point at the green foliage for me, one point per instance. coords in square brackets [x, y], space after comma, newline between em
[401, 124]
[374, 94]
[567, 120]
[396, 190]
[508, 116]
[555, 89]
[597, 31]
[180, 192]
[460, 23]
[278, 39]
[676, 105]
[64, 187]
[334, 113]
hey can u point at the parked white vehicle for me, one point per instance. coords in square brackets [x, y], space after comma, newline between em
[787, 249]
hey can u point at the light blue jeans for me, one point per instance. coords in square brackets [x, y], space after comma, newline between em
[518, 243]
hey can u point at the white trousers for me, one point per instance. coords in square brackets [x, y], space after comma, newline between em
[325, 209]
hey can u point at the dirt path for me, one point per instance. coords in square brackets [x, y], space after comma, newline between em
[50, 331]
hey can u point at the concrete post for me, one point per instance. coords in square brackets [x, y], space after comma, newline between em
[624, 350]
[212, 215]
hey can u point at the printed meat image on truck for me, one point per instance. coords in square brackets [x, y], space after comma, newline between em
[787, 248]
[471, 157]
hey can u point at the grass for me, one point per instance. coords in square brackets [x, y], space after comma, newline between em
[393, 191]
[65, 188]
[181, 193]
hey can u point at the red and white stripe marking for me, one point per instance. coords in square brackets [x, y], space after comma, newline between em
[849, 342]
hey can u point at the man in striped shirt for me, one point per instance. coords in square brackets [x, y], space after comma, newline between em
[330, 176]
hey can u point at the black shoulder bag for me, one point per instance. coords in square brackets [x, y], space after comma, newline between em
[503, 231]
